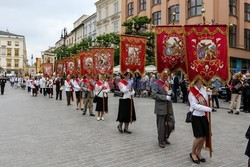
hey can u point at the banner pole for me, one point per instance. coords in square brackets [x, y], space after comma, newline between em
[210, 126]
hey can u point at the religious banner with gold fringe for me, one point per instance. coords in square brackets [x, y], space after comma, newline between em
[132, 53]
[87, 64]
[170, 48]
[103, 59]
[59, 67]
[69, 66]
[77, 61]
[207, 58]
[207, 52]
[47, 69]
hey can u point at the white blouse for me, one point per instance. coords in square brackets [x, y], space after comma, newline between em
[198, 109]
[99, 88]
[126, 90]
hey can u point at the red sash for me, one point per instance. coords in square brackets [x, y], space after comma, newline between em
[200, 98]
[124, 82]
[99, 83]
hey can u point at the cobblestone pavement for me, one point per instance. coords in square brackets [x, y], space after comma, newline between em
[43, 132]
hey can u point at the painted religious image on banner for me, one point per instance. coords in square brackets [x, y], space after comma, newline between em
[71, 66]
[133, 55]
[102, 62]
[78, 67]
[206, 50]
[174, 46]
[59, 68]
[88, 63]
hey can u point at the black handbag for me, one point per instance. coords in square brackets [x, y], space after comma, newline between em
[96, 97]
[189, 117]
[248, 133]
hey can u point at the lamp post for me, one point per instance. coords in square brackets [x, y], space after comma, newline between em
[203, 11]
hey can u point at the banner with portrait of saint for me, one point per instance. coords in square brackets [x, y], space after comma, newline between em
[59, 67]
[207, 52]
[170, 48]
[77, 61]
[133, 53]
[103, 59]
[69, 66]
[87, 64]
[47, 69]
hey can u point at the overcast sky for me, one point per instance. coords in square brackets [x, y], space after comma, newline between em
[41, 21]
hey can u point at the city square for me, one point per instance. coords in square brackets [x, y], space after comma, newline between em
[130, 83]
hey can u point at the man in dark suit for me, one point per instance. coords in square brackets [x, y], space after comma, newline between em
[175, 87]
[2, 84]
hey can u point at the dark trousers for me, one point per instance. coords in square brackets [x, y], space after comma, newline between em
[29, 88]
[184, 94]
[44, 92]
[215, 98]
[246, 103]
[2, 90]
[175, 95]
[41, 90]
[228, 96]
[161, 128]
[58, 94]
[68, 94]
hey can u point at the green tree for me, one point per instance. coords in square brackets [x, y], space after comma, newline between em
[139, 26]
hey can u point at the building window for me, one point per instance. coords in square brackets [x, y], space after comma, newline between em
[3, 50]
[9, 43]
[16, 63]
[232, 7]
[100, 15]
[116, 26]
[155, 2]
[232, 36]
[8, 62]
[131, 9]
[142, 5]
[171, 10]
[194, 7]
[16, 43]
[106, 28]
[8, 51]
[16, 52]
[247, 12]
[115, 7]
[157, 18]
[247, 39]
[107, 11]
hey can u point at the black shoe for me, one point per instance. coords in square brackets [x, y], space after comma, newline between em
[127, 131]
[201, 159]
[92, 115]
[230, 112]
[82, 109]
[120, 129]
[195, 161]
[213, 110]
[162, 145]
[167, 142]
[237, 113]
[84, 113]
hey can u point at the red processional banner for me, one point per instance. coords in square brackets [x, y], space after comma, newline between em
[87, 65]
[170, 48]
[133, 53]
[207, 52]
[77, 61]
[59, 67]
[69, 66]
[103, 59]
[47, 69]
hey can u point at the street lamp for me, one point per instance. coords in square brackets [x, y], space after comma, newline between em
[174, 14]
[203, 11]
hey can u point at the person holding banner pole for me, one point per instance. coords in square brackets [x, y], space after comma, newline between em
[198, 99]
[68, 86]
[162, 94]
[101, 90]
[126, 111]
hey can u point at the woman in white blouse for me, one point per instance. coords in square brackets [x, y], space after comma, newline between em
[198, 100]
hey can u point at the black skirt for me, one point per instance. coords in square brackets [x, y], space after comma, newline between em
[100, 105]
[200, 126]
[248, 149]
[124, 111]
[78, 94]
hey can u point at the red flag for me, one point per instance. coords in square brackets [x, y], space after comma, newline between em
[47, 69]
[170, 53]
[103, 60]
[69, 66]
[207, 53]
[77, 62]
[59, 67]
[133, 53]
[86, 63]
